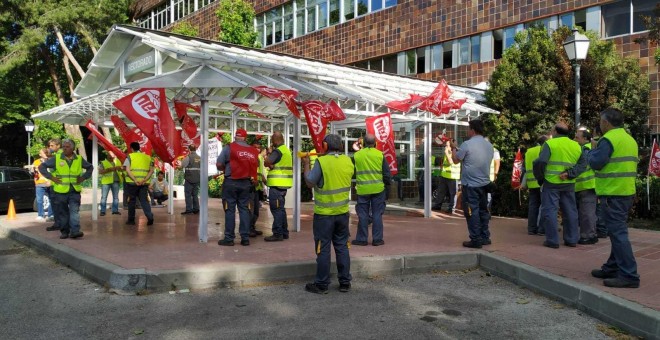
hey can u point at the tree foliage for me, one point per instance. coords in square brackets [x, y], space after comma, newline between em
[533, 88]
[236, 20]
[185, 28]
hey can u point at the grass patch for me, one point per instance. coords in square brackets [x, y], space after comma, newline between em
[615, 332]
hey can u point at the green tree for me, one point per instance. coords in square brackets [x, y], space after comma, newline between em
[236, 21]
[185, 28]
[533, 88]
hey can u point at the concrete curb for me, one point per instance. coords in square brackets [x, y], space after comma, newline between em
[628, 315]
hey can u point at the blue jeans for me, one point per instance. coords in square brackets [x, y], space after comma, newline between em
[622, 260]
[67, 212]
[475, 210]
[237, 192]
[276, 201]
[586, 204]
[138, 192]
[551, 201]
[105, 188]
[600, 225]
[533, 211]
[254, 207]
[41, 192]
[370, 208]
[191, 193]
[333, 229]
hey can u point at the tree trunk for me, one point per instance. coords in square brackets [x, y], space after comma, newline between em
[68, 53]
[87, 37]
[53, 75]
[69, 76]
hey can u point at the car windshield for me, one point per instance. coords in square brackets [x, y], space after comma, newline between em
[19, 175]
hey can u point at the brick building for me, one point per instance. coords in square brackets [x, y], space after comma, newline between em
[460, 41]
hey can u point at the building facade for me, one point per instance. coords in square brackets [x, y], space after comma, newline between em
[460, 41]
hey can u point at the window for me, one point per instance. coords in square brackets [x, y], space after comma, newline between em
[362, 7]
[566, 20]
[19, 175]
[580, 19]
[334, 12]
[349, 9]
[641, 8]
[376, 5]
[498, 40]
[269, 34]
[475, 47]
[464, 51]
[509, 37]
[390, 3]
[447, 55]
[362, 64]
[616, 18]
[421, 60]
[436, 57]
[322, 14]
[300, 18]
[376, 64]
[389, 63]
[411, 60]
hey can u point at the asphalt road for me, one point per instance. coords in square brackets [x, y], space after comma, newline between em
[40, 299]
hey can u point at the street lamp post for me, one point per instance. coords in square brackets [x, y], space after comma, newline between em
[576, 47]
[29, 127]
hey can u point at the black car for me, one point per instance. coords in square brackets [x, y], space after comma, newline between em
[16, 184]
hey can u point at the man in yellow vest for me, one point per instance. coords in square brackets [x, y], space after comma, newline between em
[258, 190]
[585, 194]
[560, 162]
[280, 179]
[372, 175]
[534, 188]
[139, 168]
[67, 179]
[331, 180]
[450, 173]
[111, 178]
[55, 148]
[614, 161]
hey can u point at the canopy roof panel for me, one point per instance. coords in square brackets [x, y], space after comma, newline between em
[191, 68]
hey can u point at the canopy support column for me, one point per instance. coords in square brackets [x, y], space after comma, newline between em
[95, 174]
[296, 175]
[202, 230]
[170, 189]
[428, 195]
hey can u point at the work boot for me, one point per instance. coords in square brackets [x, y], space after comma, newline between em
[76, 234]
[359, 243]
[620, 283]
[225, 242]
[344, 287]
[472, 244]
[601, 274]
[273, 238]
[314, 288]
[550, 245]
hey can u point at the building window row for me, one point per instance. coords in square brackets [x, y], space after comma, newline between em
[614, 19]
[299, 17]
[169, 12]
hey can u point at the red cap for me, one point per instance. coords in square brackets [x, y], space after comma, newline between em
[241, 133]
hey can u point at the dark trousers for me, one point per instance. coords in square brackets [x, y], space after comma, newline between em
[237, 193]
[138, 192]
[600, 225]
[551, 201]
[622, 260]
[475, 209]
[191, 193]
[333, 229]
[533, 211]
[586, 206]
[67, 212]
[51, 198]
[446, 187]
[158, 196]
[254, 207]
[370, 209]
[276, 201]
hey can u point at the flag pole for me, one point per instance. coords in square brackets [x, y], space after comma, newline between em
[648, 177]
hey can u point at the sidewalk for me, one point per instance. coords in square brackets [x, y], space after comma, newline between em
[171, 245]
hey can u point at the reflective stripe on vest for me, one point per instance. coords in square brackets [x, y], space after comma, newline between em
[140, 165]
[369, 171]
[449, 170]
[333, 198]
[531, 155]
[587, 179]
[68, 174]
[617, 177]
[282, 173]
[564, 154]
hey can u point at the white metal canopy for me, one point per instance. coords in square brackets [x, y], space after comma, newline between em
[214, 74]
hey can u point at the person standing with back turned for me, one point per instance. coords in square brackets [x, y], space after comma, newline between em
[331, 181]
[191, 164]
[475, 156]
[614, 161]
[372, 172]
[280, 179]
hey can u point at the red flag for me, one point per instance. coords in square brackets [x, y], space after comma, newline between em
[132, 135]
[287, 96]
[406, 104]
[246, 107]
[516, 174]
[332, 112]
[189, 134]
[316, 122]
[381, 127]
[105, 142]
[654, 161]
[148, 109]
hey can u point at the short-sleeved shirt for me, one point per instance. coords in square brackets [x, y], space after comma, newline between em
[159, 186]
[475, 154]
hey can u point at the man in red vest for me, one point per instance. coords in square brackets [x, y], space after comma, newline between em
[239, 161]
